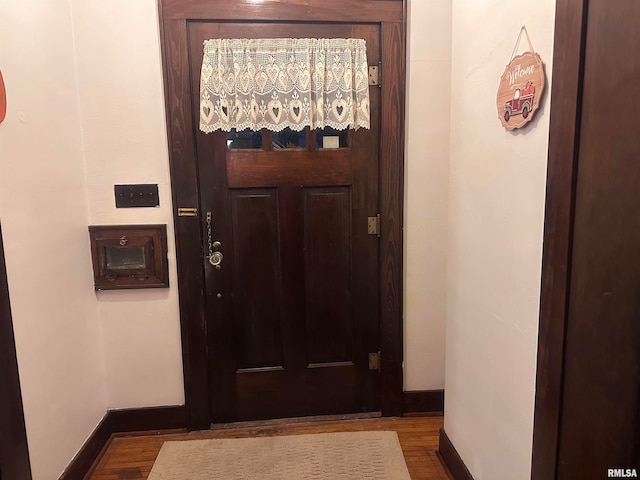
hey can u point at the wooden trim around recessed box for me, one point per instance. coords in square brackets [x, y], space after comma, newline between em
[452, 459]
[423, 402]
[152, 238]
[116, 422]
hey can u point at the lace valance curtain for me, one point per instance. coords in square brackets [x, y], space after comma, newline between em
[285, 82]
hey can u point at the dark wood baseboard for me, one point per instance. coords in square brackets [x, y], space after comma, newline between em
[452, 459]
[90, 451]
[148, 419]
[123, 421]
[424, 402]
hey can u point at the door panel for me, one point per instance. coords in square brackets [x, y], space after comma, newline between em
[256, 300]
[248, 168]
[328, 274]
[293, 312]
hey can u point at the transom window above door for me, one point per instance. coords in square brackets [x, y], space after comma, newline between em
[287, 139]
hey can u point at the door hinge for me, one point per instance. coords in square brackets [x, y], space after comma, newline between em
[187, 212]
[373, 225]
[374, 361]
[375, 75]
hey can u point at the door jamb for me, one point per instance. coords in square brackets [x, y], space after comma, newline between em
[391, 15]
[564, 136]
[14, 449]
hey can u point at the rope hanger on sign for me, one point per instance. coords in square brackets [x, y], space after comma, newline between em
[515, 49]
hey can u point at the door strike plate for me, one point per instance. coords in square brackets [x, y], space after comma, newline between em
[187, 212]
[374, 361]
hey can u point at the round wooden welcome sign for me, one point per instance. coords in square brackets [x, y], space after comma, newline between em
[520, 90]
[3, 100]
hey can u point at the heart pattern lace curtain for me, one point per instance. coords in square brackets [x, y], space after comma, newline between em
[284, 82]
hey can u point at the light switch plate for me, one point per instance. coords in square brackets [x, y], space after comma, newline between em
[139, 195]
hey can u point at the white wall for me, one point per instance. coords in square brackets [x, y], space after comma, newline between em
[426, 192]
[43, 209]
[497, 193]
[125, 141]
[86, 112]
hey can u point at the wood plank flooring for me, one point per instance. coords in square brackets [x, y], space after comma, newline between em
[131, 457]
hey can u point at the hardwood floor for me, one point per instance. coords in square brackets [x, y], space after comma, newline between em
[131, 457]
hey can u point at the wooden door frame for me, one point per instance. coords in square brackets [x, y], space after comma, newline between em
[564, 137]
[391, 16]
[14, 450]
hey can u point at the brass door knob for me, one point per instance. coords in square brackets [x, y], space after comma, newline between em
[215, 259]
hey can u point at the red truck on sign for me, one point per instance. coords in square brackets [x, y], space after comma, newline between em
[522, 102]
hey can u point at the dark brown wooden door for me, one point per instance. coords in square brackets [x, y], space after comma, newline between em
[293, 312]
[14, 453]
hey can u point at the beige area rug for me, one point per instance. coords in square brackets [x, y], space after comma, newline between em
[325, 456]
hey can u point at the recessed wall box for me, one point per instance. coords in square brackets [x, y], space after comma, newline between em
[129, 256]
